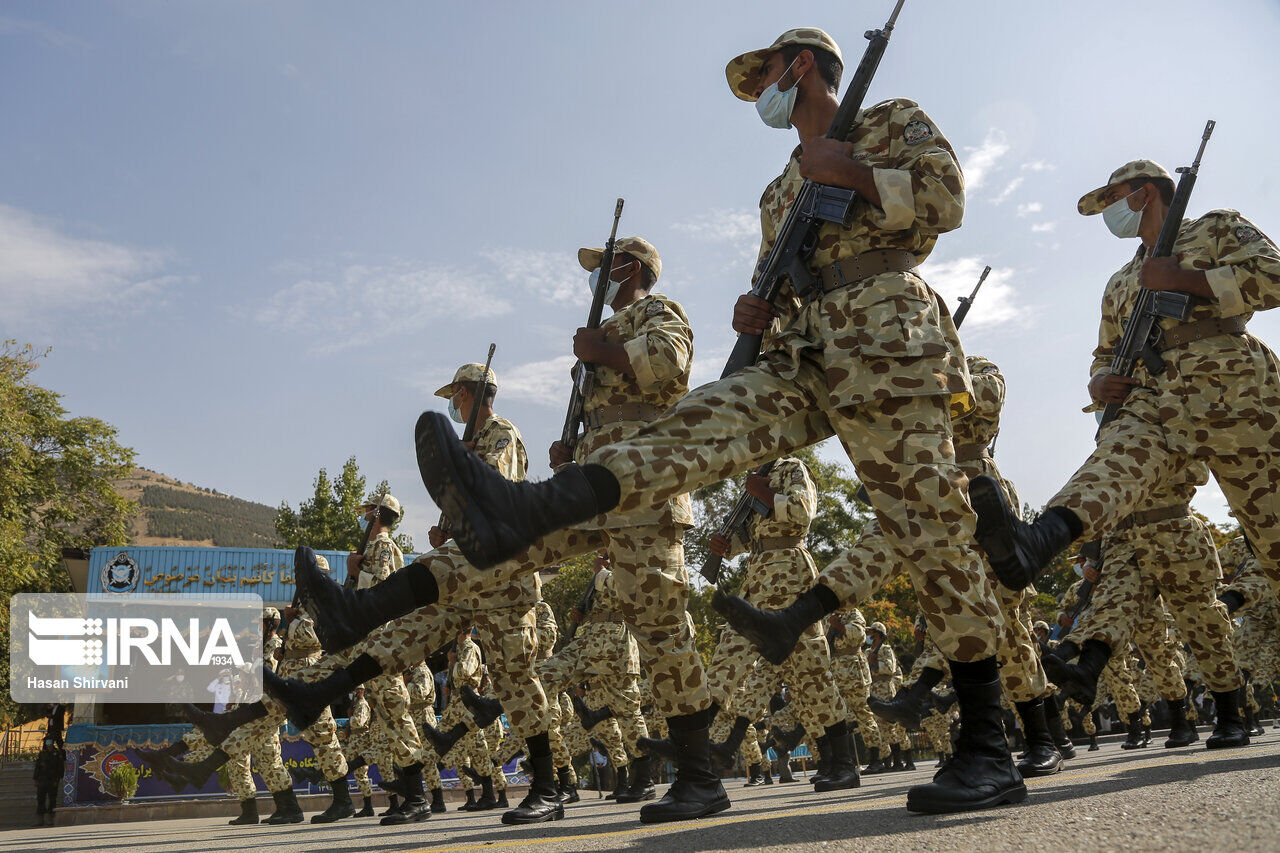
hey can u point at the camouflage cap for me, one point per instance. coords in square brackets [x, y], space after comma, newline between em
[878, 627]
[1040, 625]
[637, 247]
[470, 374]
[743, 70]
[1091, 202]
[270, 614]
[388, 502]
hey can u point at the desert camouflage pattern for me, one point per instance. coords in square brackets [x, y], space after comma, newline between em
[853, 674]
[886, 681]
[394, 729]
[1215, 400]
[1155, 636]
[359, 742]
[655, 333]
[421, 686]
[1176, 560]
[381, 558]
[937, 727]
[1257, 640]
[637, 247]
[269, 647]
[743, 71]
[546, 629]
[473, 749]
[260, 739]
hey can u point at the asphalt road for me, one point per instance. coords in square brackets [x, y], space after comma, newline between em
[1151, 799]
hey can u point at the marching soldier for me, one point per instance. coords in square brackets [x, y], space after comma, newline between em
[848, 632]
[886, 681]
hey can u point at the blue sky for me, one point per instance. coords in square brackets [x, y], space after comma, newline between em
[257, 236]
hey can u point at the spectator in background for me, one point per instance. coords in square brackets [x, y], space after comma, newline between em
[48, 773]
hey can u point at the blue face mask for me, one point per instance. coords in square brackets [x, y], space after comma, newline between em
[454, 414]
[611, 290]
[363, 521]
[775, 106]
[1122, 221]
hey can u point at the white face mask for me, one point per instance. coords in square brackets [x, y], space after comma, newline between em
[774, 106]
[1122, 221]
[454, 413]
[610, 292]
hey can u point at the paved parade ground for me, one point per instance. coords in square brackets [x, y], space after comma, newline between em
[1149, 799]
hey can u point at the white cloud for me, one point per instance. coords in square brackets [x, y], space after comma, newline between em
[544, 382]
[43, 269]
[1008, 190]
[997, 302]
[720, 224]
[289, 70]
[396, 298]
[551, 276]
[1038, 166]
[979, 162]
[1043, 227]
[1029, 208]
[57, 38]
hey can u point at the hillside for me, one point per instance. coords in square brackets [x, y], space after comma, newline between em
[171, 512]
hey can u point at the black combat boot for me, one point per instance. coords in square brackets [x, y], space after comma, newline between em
[163, 761]
[494, 518]
[766, 772]
[981, 773]
[1053, 719]
[907, 763]
[1181, 732]
[589, 718]
[393, 805]
[287, 808]
[639, 781]
[1018, 551]
[697, 791]
[483, 708]
[414, 807]
[775, 633]
[1146, 732]
[542, 803]
[437, 801]
[1043, 758]
[897, 766]
[501, 802]
[305, 701]
[723, 754]
[470, 804]
[340, 807]
[197, 773]
[823, 767]
[218, 727]
[442, 742]
[1079, 680]
[842, 767]
[876, 766]
[620, 774]
[785, 776]
[367, 811]
[487, 801]
[344, 615]
[661, 747]
[1228, 729]
[909, 706]
[1134, 738]
[1093, 741]
[248, 813]
[754, 777]
[568, 785]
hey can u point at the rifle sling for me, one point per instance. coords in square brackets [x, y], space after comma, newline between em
[850, 271]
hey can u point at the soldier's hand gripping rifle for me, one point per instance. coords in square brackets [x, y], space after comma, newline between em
[584, 372]
[351, 582]
[473, 420]
[787, 261]
[1091, 552]
[1142, 332]
[735, 523]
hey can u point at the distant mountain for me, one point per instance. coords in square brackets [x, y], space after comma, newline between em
[171, 512]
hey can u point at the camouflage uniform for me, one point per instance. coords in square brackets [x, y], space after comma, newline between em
[269, 650]
[1214, 400]
[359, 742]
[1257, 641]
[473, 749]
[877, 362]
[853, 675]
[603, 651]
[1163, 550]
[1155, 636]
[778, 569]
[886, 681]
[546, 633]
[422, 708]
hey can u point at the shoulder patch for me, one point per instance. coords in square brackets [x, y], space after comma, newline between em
[916, 132]
[502, 442]
[1246, 233]
[654, 308]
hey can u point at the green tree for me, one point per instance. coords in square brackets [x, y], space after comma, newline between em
[565, 590]
[57, 476]
[328, 520]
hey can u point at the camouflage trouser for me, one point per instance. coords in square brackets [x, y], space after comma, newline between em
[855, 689]
[1159, 651]
[394, 726]
[359, 744]
[606, 665]
[322, 735]
[198, 746]
[560, 751]
[1117, 682]
[239, 778]
[472, 750]
[425, 715]
[494, 736]
[571, 731]
[1176, 560]
[1138, 451]
[901, 449]
[608, 733]
[751, 747]
[1257, 646]
[260, 739]
[807, 672]
[938, 728]
[890, 733]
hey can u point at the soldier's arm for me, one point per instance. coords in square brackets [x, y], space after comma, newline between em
[378, 565]
[663, 348]
[500, 450]
[798, 500]
[1110, 329]
[360, 715]
[988, 384]
[1245, 271]
[923, 186]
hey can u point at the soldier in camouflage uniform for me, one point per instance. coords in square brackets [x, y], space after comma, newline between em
[848, 633]
[358, 748]
[1257, 640]
[548, 632]
[1212, 401]
[886, 681]
[421, 684]
[472, 749]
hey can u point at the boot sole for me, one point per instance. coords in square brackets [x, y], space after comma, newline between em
[440, 476]
[714, 808]
[1010, 797]
[995, 537]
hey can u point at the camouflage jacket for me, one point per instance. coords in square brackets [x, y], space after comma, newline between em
[899, 334]
[980, 426]
[848, 648]
[468, 668]
[775, 575]
[381, 558]
[421, 685]
[609, 646]
[269, 651]
[546, 630]
[1219, 392]
[301, 645]
[1249, 580]
[886, 675]
[655, 333]
[359, 716]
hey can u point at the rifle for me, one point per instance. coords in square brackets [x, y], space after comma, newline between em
[1084, 595]
[584, 372]
[473, 421]
[814, 204]
[736, 520]
[1142, 332]
[584, 604]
